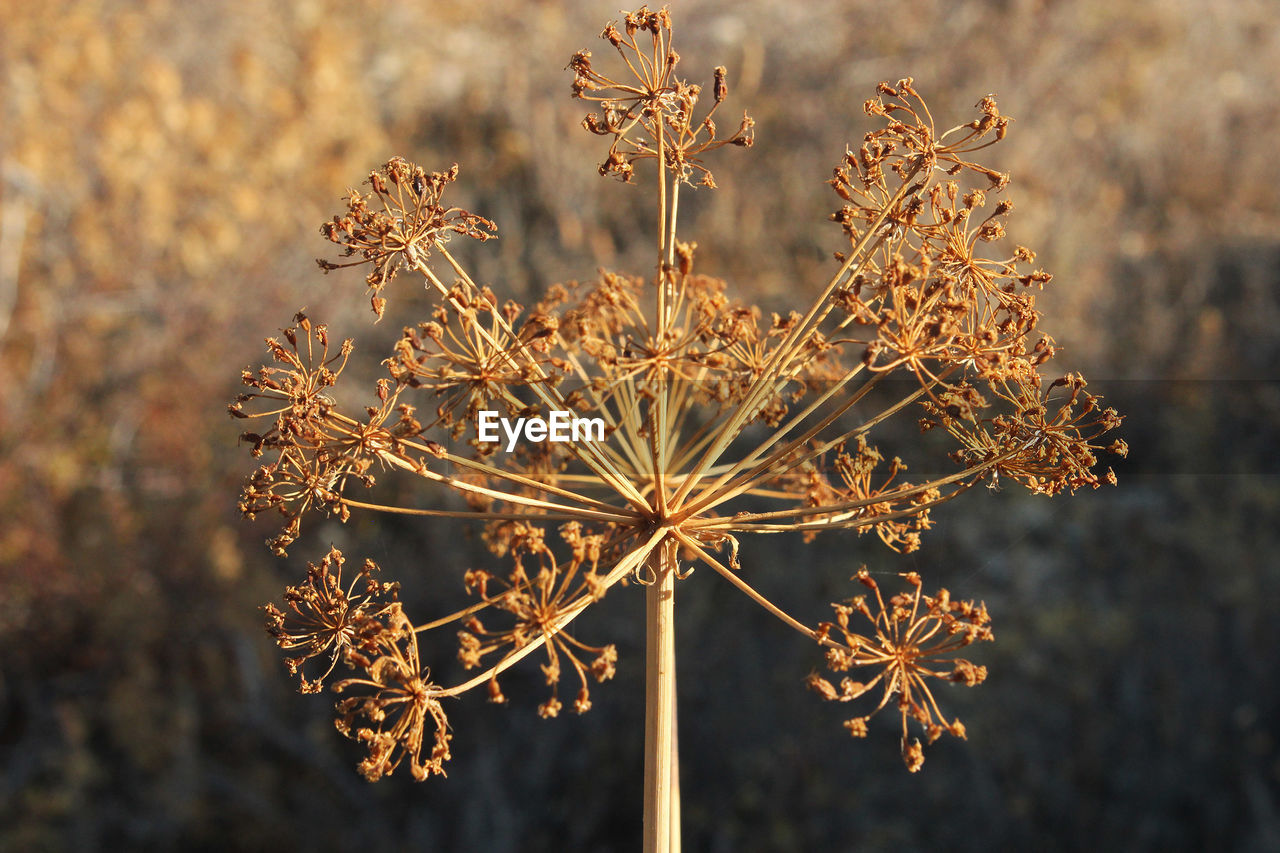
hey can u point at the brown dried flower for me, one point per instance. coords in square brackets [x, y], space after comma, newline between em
[910, 641]
[398, 223]
[316, 450]
[397, 701]
[324, 619]
[652, 116]
[537, 602]
[703, 419]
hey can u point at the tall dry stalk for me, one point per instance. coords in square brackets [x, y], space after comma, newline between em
[716, 422]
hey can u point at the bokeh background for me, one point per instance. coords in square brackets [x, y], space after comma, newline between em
[163, 170]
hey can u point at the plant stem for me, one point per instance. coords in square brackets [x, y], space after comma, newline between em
[660, 794]
[675, 766]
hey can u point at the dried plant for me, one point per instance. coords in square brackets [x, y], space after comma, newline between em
[715, 421]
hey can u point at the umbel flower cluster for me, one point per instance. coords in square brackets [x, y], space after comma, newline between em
[720, 421]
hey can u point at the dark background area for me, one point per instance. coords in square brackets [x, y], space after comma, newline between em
[164, 170]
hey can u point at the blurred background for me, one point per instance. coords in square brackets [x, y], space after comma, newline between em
[163, 170]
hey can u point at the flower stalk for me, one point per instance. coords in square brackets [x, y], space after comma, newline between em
[661, 791]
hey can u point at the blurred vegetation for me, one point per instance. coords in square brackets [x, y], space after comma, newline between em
[163, 168]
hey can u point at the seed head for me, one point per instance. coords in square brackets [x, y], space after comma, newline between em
[719, 420]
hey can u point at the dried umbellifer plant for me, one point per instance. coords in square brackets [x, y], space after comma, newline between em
[711, 422]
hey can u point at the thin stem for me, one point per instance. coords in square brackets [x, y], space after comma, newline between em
[714, 492]
[667, 262]
[675, 766]
[747, 520]
[459, 485]
[660, 687]
[733, 578]
[622, 428]
[461, 513]
[452, 617]
[662, 232]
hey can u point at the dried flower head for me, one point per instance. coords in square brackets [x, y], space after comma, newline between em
[652, 116]
[324, 619]
[706, 419]
[396, 700]
[914, 635]
[536, 601]
[398, 223]
[314, 450]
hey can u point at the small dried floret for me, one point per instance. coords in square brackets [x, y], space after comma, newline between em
[396, 699]
[654, 112]
[604, 665]
[913, 635]
[913, 755]
[535, 594]
[323, 619]
[400, 223]
[857, 726]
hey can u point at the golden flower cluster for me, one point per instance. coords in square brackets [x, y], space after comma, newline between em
[719, 421]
